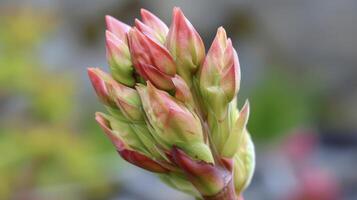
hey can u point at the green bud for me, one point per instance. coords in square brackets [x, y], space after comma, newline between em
[232, 143]
[244, 163]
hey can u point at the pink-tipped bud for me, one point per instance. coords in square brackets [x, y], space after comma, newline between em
[119, 60]
[220, 74]
[117, 27]
[99, 81]
[125, 151]
[151, 59]
[158, 27]
[185, 45]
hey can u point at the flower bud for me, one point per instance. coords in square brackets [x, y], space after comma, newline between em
[220, 74]
[244, 163]
[119, 60]
[123, 148]
[152, 26]
[185, 45]
[173, 123]
[127, 100]
[233, 141]
[118, 28]
[151, 60]
[99, 81]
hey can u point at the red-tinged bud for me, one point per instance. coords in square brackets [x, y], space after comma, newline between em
[119, 60]
[185, 45]
[159, 27]
[117, 27]
[220, 74]
[208, 179]
[146, 52]
[99, 81]
[125, 151]
[182, 91]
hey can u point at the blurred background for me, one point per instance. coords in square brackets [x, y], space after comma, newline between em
[299, 71]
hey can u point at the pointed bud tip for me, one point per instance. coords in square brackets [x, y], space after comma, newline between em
[103, 122]
[221, 30]
[221, 38]
[143, 28]
[145, 14]
[243, 116]
[137, 21]
[93, 74]
[246, 108]
[108, 18]
[99, 80]
[112, 21]
[178, 16]
[92, 69]
[221, 33]
[177, 11]
[117, 27]
[100, 118]
[157, 28]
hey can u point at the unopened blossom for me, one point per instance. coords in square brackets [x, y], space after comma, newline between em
[152, 26]
[220, 74]
[172, 109]
[185, 45]
[152, 61]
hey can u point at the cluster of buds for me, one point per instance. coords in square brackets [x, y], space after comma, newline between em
[172, 109]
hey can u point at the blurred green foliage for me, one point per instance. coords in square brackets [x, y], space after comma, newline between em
[39, 147]
[279, 104]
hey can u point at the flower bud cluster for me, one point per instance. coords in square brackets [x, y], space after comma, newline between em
[172, 109]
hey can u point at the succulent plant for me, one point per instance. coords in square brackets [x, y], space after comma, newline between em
[172, 108]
